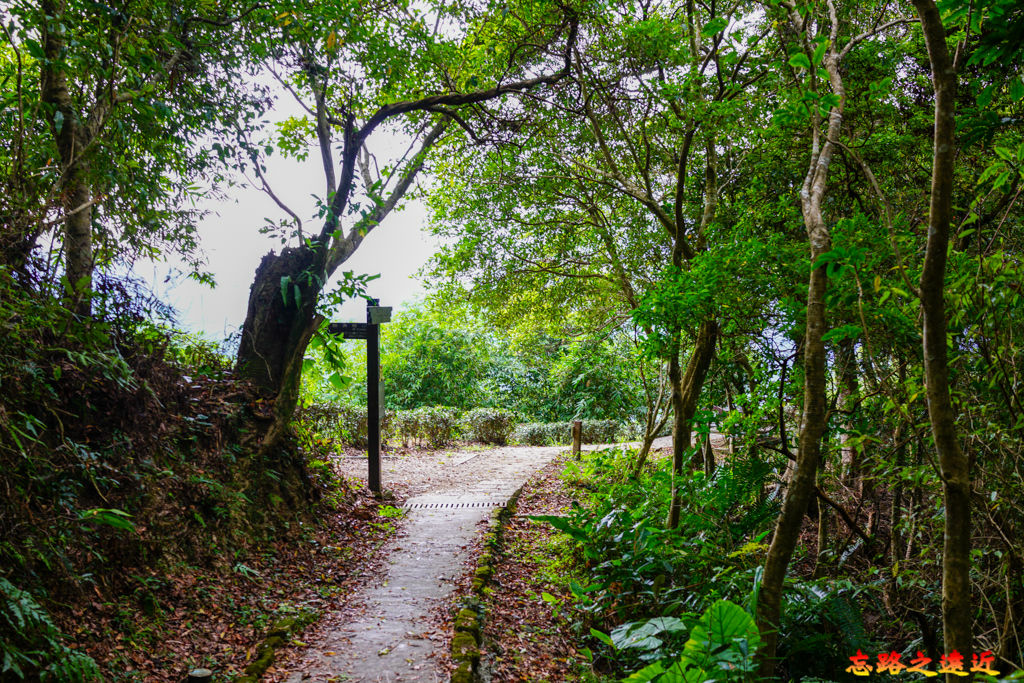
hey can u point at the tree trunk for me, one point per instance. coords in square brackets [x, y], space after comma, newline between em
[280, 321]
[652, 426]
[953, 463]
[281, 316]
[849, 454]
[73, 140]
[814, 414]
[801, 486]
[823, 533]
[709, 456]
[896, 508]
[78, 262]
[686, 391]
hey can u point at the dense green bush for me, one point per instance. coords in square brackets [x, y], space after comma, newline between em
[629, 576]
[434, 427]
[488, 425]
[345, 425]
[560, 433]
[342, 423]
[439, 356]
[601, 431]
[428, 361]
[542, 433]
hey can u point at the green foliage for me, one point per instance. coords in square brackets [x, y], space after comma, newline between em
[822, 624]
[32, 646]
[147, 94]
[343, 424]
[721, 647]
[434, 355]
[122, 444]
[433, 427]
[628, 569]
[594, 380]
[427, 361]
[488, 425]
[559, 433]
[335, 426]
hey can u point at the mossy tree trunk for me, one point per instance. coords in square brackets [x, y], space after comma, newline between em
[953, 462]
[74, 135]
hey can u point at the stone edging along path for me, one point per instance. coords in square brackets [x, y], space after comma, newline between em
[467, 640]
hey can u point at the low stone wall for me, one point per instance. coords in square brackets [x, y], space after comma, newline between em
[467, 639]
[279, 635]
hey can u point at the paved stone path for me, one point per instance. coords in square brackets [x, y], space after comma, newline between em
[383, 639]
[383, 633]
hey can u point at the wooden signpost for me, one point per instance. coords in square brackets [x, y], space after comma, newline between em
[376, 315]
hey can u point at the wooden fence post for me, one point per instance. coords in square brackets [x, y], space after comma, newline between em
[577, 437]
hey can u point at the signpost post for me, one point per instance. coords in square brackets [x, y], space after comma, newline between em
[376, 315]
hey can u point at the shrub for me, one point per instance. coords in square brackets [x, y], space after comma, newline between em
[433, 427]
[560, 433]
[343, 423]
[543, 433]
[488, 425]
[600, 431]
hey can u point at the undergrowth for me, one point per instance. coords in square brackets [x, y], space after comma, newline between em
[127, 445]
[649, 599]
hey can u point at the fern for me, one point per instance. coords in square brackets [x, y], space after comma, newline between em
[32, 646]
[822, 624]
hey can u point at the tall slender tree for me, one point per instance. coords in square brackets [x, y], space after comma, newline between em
[957, 618]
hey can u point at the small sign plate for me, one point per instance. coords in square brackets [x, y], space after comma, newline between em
[349, 330]
[379, 314]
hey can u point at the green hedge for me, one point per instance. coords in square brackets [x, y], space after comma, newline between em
[560, 433]
[432, 427]
[441, 426]
[343, 423]
[488, 425]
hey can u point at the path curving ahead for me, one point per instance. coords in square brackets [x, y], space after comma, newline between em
[383, 635]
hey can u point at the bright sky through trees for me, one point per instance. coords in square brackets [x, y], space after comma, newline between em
[397, 250]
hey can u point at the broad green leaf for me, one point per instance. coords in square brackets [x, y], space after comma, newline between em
[714, 26]
[800, 60]
[648, 673]
[819, 52]
[603, 637]
[719, 629]
[1017, 89]
[119, 519]
[285, 281]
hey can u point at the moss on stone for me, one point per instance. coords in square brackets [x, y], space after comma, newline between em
[463, 674]
[283, 627]
[465, 647]
[258, 666]
[467, 620]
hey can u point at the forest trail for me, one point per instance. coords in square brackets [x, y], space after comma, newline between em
[385, 632]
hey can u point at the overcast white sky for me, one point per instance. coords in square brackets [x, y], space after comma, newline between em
[396, 249]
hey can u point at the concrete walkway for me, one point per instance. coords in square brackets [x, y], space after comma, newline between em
[384, 638]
